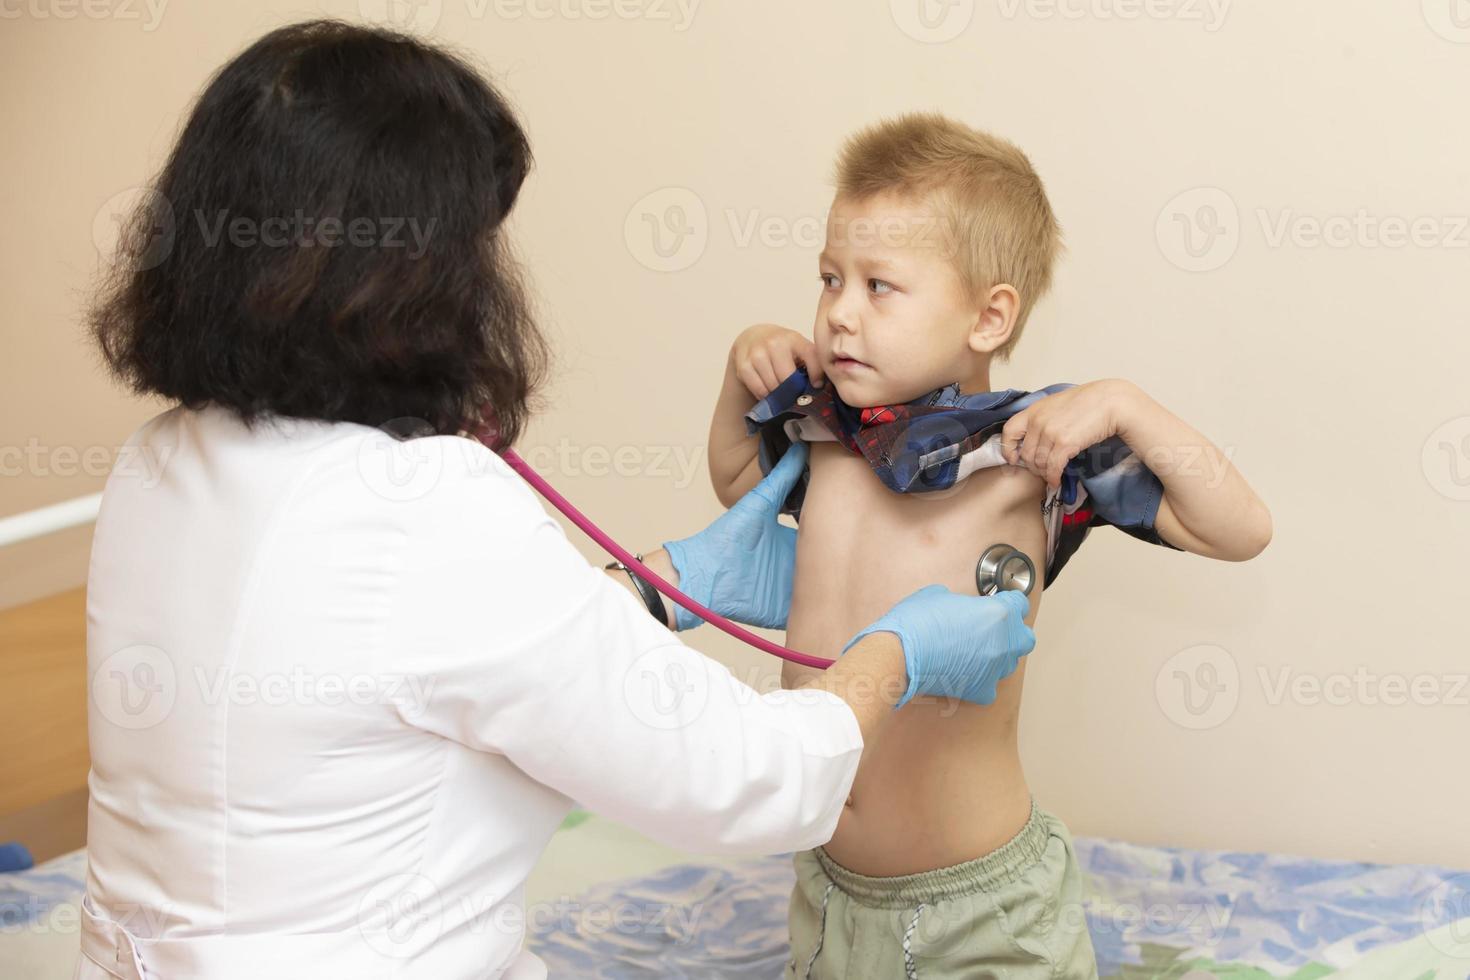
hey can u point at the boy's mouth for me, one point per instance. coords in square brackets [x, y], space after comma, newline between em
[845, 362]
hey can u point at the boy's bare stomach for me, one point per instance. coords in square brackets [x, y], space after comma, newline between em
[941, 783]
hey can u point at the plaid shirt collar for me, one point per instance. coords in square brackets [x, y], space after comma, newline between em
[908, 445]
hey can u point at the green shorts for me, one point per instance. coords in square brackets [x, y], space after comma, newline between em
[1014, 913]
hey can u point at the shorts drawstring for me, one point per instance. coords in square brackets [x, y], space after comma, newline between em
[821, 930]
[910, 969]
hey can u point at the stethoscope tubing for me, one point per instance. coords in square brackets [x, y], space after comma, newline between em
[623, 555]
[994, 558]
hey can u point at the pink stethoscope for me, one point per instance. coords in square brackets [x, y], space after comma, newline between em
[1000, 567]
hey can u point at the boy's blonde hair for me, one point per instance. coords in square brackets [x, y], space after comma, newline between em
[999, 225]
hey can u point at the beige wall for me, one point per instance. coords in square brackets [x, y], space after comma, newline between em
[1333, 372]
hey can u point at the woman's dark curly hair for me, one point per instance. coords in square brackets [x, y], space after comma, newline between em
[324, 242]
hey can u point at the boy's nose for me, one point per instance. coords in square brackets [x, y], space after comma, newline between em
[841, 317]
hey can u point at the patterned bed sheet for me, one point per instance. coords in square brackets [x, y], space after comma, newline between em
[1152, 911]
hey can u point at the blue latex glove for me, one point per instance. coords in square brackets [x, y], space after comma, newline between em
[957, 646]
[742, 565]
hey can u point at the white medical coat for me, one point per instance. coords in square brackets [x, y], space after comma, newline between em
[344, 689]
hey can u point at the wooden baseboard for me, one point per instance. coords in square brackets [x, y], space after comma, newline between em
[47, 829]
[43, 702]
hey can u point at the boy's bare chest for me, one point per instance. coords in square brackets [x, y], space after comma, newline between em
[861, 547]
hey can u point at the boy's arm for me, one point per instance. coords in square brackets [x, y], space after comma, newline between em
[1207, 507]
[761, 358]
[734, 467]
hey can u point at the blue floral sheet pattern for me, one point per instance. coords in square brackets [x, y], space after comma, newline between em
[1152, 911]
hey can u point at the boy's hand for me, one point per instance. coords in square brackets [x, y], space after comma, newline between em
[1045, 437]
[766, 354]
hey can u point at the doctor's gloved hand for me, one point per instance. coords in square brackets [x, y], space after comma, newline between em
[957, 646]
[742, 565]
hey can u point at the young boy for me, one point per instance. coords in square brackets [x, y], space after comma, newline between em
[940, 240]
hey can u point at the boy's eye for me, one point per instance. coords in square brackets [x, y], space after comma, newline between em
[828, 280]
[879, 287]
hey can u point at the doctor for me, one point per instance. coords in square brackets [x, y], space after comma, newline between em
[345, 684]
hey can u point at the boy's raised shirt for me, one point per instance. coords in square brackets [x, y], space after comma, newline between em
[938, 439]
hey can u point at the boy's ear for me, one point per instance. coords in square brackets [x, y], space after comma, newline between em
[995, 318]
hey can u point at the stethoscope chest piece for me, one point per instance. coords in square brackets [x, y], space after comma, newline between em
[1003, 568]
